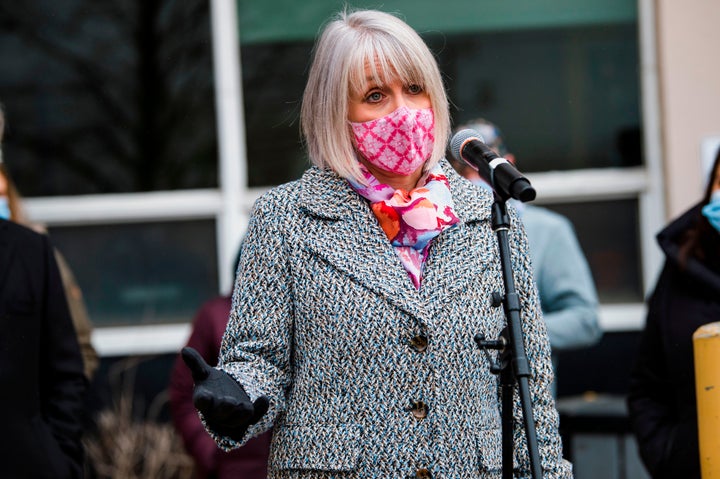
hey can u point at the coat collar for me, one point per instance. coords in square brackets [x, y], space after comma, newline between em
[670, 240]
[326, 195]
[471, 203]
[344, 232]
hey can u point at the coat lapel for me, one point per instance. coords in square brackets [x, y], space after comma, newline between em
[341, 229]
[457, 255]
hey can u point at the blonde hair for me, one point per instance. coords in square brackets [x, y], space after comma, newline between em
[349, 43]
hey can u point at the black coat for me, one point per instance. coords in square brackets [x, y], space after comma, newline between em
[662, 403]
[41, 370]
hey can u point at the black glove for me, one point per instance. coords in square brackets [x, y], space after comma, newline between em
[225, 405]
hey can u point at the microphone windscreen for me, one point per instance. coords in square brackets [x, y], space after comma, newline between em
[459, 139]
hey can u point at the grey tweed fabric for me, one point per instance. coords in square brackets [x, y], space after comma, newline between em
[323, 321]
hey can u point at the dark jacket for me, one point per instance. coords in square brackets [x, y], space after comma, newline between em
[41, 369]
[247, 462]
[662, 390]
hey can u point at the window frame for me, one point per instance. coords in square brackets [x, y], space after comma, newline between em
[230, 204]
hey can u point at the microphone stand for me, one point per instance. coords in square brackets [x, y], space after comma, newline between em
[512, 365]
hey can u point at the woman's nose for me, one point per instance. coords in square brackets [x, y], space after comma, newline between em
[400, 100]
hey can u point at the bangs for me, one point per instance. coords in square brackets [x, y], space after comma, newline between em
[357, 51]
[386, 62]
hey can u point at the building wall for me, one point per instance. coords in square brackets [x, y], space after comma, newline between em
[688, 41]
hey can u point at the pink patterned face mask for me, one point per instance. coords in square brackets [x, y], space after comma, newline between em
[399, 142]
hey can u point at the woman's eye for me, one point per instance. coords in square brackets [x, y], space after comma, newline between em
[415, 89]
[374, 97]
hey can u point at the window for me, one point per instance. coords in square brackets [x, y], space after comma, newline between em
[274, 77]
[608, 233]
[142, 273]
[565, 95]
[116, 138]
[108, 97]
[565, 98]
[112, 139]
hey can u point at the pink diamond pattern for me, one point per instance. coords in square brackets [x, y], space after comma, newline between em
[399, 142]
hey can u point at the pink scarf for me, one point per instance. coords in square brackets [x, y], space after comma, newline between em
[411, 219]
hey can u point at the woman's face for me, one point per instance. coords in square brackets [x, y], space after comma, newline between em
[378, 101]
[3, 185]
[716, 180]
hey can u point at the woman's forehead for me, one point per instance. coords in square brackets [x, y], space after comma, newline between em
[376, 71]
[380, 72]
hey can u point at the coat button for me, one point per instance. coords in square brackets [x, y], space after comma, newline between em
[423, 474]
[419, 343]
[419, 410]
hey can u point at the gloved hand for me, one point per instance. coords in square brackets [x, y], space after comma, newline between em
[225, 405]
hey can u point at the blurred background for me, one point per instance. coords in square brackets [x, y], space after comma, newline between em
[141, 131]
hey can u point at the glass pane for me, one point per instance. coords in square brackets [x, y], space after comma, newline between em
[609, 236]
[274, 78]
[142, 273]
[106, 97]
[565, 98]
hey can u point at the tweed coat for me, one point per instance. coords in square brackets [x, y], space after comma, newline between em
[367, 376]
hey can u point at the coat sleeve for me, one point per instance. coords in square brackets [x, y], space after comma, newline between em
[567, 291]
[537, 349]
[185, 417]
[63, 383]
[257, 342]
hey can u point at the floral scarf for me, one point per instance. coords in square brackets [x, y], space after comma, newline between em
[410, 219]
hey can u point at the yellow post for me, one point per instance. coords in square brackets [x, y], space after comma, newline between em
[706, 345]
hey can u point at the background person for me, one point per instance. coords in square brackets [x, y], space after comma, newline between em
[662, 402]
[41, 369]
[11, 208]
[565, 285]
[247, 462]
[362, 284]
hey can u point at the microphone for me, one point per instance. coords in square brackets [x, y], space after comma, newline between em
[467, 146]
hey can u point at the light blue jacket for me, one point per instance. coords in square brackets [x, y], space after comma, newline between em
[325, 322]
[567, 293]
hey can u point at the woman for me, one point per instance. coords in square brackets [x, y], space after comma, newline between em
[41, 370]
[361, 286]
[11, 209]
[687, 295]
